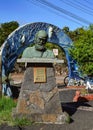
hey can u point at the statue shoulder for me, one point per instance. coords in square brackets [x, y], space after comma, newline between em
[27, 52]
[29, 48]
[50, 53]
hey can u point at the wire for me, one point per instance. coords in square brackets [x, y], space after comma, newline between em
[59, 9]
[84, 5]
[77, 7]
[64, 11]
[87, 1]
[53, 11]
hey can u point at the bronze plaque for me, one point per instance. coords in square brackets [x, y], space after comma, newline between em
[39, 74]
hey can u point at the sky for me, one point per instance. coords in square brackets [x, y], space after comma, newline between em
[61, 13]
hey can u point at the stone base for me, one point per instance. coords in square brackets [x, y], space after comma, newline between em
[40, 107]
[44, 118]
[40, 102]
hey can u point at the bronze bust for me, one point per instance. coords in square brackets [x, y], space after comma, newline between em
[38, 50]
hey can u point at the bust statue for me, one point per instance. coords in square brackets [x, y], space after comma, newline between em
[38, 50]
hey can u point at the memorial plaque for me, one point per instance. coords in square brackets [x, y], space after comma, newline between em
[39, 74]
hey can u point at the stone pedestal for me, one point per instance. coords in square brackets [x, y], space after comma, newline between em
[40, 101]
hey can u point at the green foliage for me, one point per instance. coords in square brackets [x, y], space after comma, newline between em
[66, 117]
[68, 120]
[22, 122]
[74, 35]
[6, 105]
[82, 52]
[66, 30]
[6, 29]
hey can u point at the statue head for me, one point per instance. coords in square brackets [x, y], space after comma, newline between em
[40, 40]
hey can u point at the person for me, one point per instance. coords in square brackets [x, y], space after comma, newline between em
[39, 50]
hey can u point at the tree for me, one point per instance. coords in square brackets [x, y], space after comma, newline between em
[66, 30]
[74, 35]
[6, 29]
[82, 51]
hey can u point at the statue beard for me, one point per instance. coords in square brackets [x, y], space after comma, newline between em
[40, 47]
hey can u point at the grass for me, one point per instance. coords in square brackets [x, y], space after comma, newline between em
[6, 106]
[22, 122]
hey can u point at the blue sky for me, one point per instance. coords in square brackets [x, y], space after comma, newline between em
[25, 11]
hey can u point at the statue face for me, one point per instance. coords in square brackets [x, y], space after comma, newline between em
[40, 44]
[41, 40]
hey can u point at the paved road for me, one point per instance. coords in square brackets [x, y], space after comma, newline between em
[81, 115]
